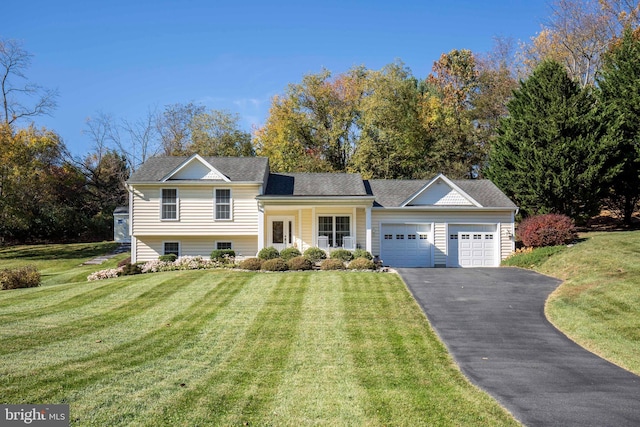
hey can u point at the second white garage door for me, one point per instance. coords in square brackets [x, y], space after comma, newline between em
[472, 246]
[406, 245]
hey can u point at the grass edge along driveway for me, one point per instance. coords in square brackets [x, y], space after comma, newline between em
[227, 348]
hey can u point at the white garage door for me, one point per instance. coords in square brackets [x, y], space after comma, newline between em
[476, 249]
[406, 245]
[472, 246]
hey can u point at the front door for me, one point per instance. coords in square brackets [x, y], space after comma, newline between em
[281, 232]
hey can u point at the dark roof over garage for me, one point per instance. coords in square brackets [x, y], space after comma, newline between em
[393, 193]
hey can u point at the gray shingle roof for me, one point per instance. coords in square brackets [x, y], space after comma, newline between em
[248, 169]
[392, 193]
[315, 184]
[387, 193]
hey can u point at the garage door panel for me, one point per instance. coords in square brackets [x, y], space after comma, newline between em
[406, 245]
[472, 245]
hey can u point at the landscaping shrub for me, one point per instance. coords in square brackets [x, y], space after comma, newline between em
[268, 253]
[361, 253]
[546, 230]
[253, 264]
[274, 264]
[342, 255]
[223, 255]
[315, 254]
[299, 263]
[362, 264]
[22, 277]
[168, 258]
[130, 269]
[332, 264]
[289, 253]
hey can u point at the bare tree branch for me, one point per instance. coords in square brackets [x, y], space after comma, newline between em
[21, 99]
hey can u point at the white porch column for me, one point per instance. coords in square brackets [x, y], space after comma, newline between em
[369, 233]
[260, 227]
[355, 230]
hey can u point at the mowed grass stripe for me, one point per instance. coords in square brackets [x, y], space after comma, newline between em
[319, 385]
[153, 387]
[89, 294]
[110, 336]
[14, 297]
[241, 389]
[66, 329]
[418, 383]
[51, 383]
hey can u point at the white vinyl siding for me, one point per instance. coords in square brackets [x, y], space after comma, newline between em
[196, 212]
[151, 247]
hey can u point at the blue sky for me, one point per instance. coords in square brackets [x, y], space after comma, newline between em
[124, 57]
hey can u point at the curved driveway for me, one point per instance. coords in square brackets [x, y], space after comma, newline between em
[492, 321]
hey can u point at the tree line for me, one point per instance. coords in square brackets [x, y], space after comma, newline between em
[555, 124]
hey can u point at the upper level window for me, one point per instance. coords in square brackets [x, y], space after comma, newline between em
[169, 204]
[222, 203]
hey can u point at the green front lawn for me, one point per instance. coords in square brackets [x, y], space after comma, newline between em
[227, 348]
[598, 305]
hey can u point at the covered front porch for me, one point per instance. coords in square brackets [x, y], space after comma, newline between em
[326, 226]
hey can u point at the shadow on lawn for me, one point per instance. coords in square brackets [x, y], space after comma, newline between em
[57, 251]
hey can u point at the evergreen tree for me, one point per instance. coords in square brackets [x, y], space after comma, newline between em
[619, 95]
[548, 156]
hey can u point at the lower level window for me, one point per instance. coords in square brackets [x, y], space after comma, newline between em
[172, 248]
[223, 245]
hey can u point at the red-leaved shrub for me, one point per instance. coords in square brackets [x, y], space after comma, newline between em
[546, 230]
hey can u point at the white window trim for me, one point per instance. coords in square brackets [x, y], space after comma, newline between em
[172, 241]
[351, 234]
[177, 218]
[215, 204]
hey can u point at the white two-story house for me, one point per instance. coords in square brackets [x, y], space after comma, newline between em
[193, 205]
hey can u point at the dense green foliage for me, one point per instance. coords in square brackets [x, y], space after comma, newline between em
[341, 254]
[288, 253]
[268, 253]
[222, 254]
[315, 254]
[619, 95]
[549, 156]
[168, 257]
[362, 253]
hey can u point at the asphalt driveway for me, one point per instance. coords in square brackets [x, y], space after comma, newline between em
[492, 321]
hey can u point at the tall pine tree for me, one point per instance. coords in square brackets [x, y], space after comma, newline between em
[619, 95]
[548, 157]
